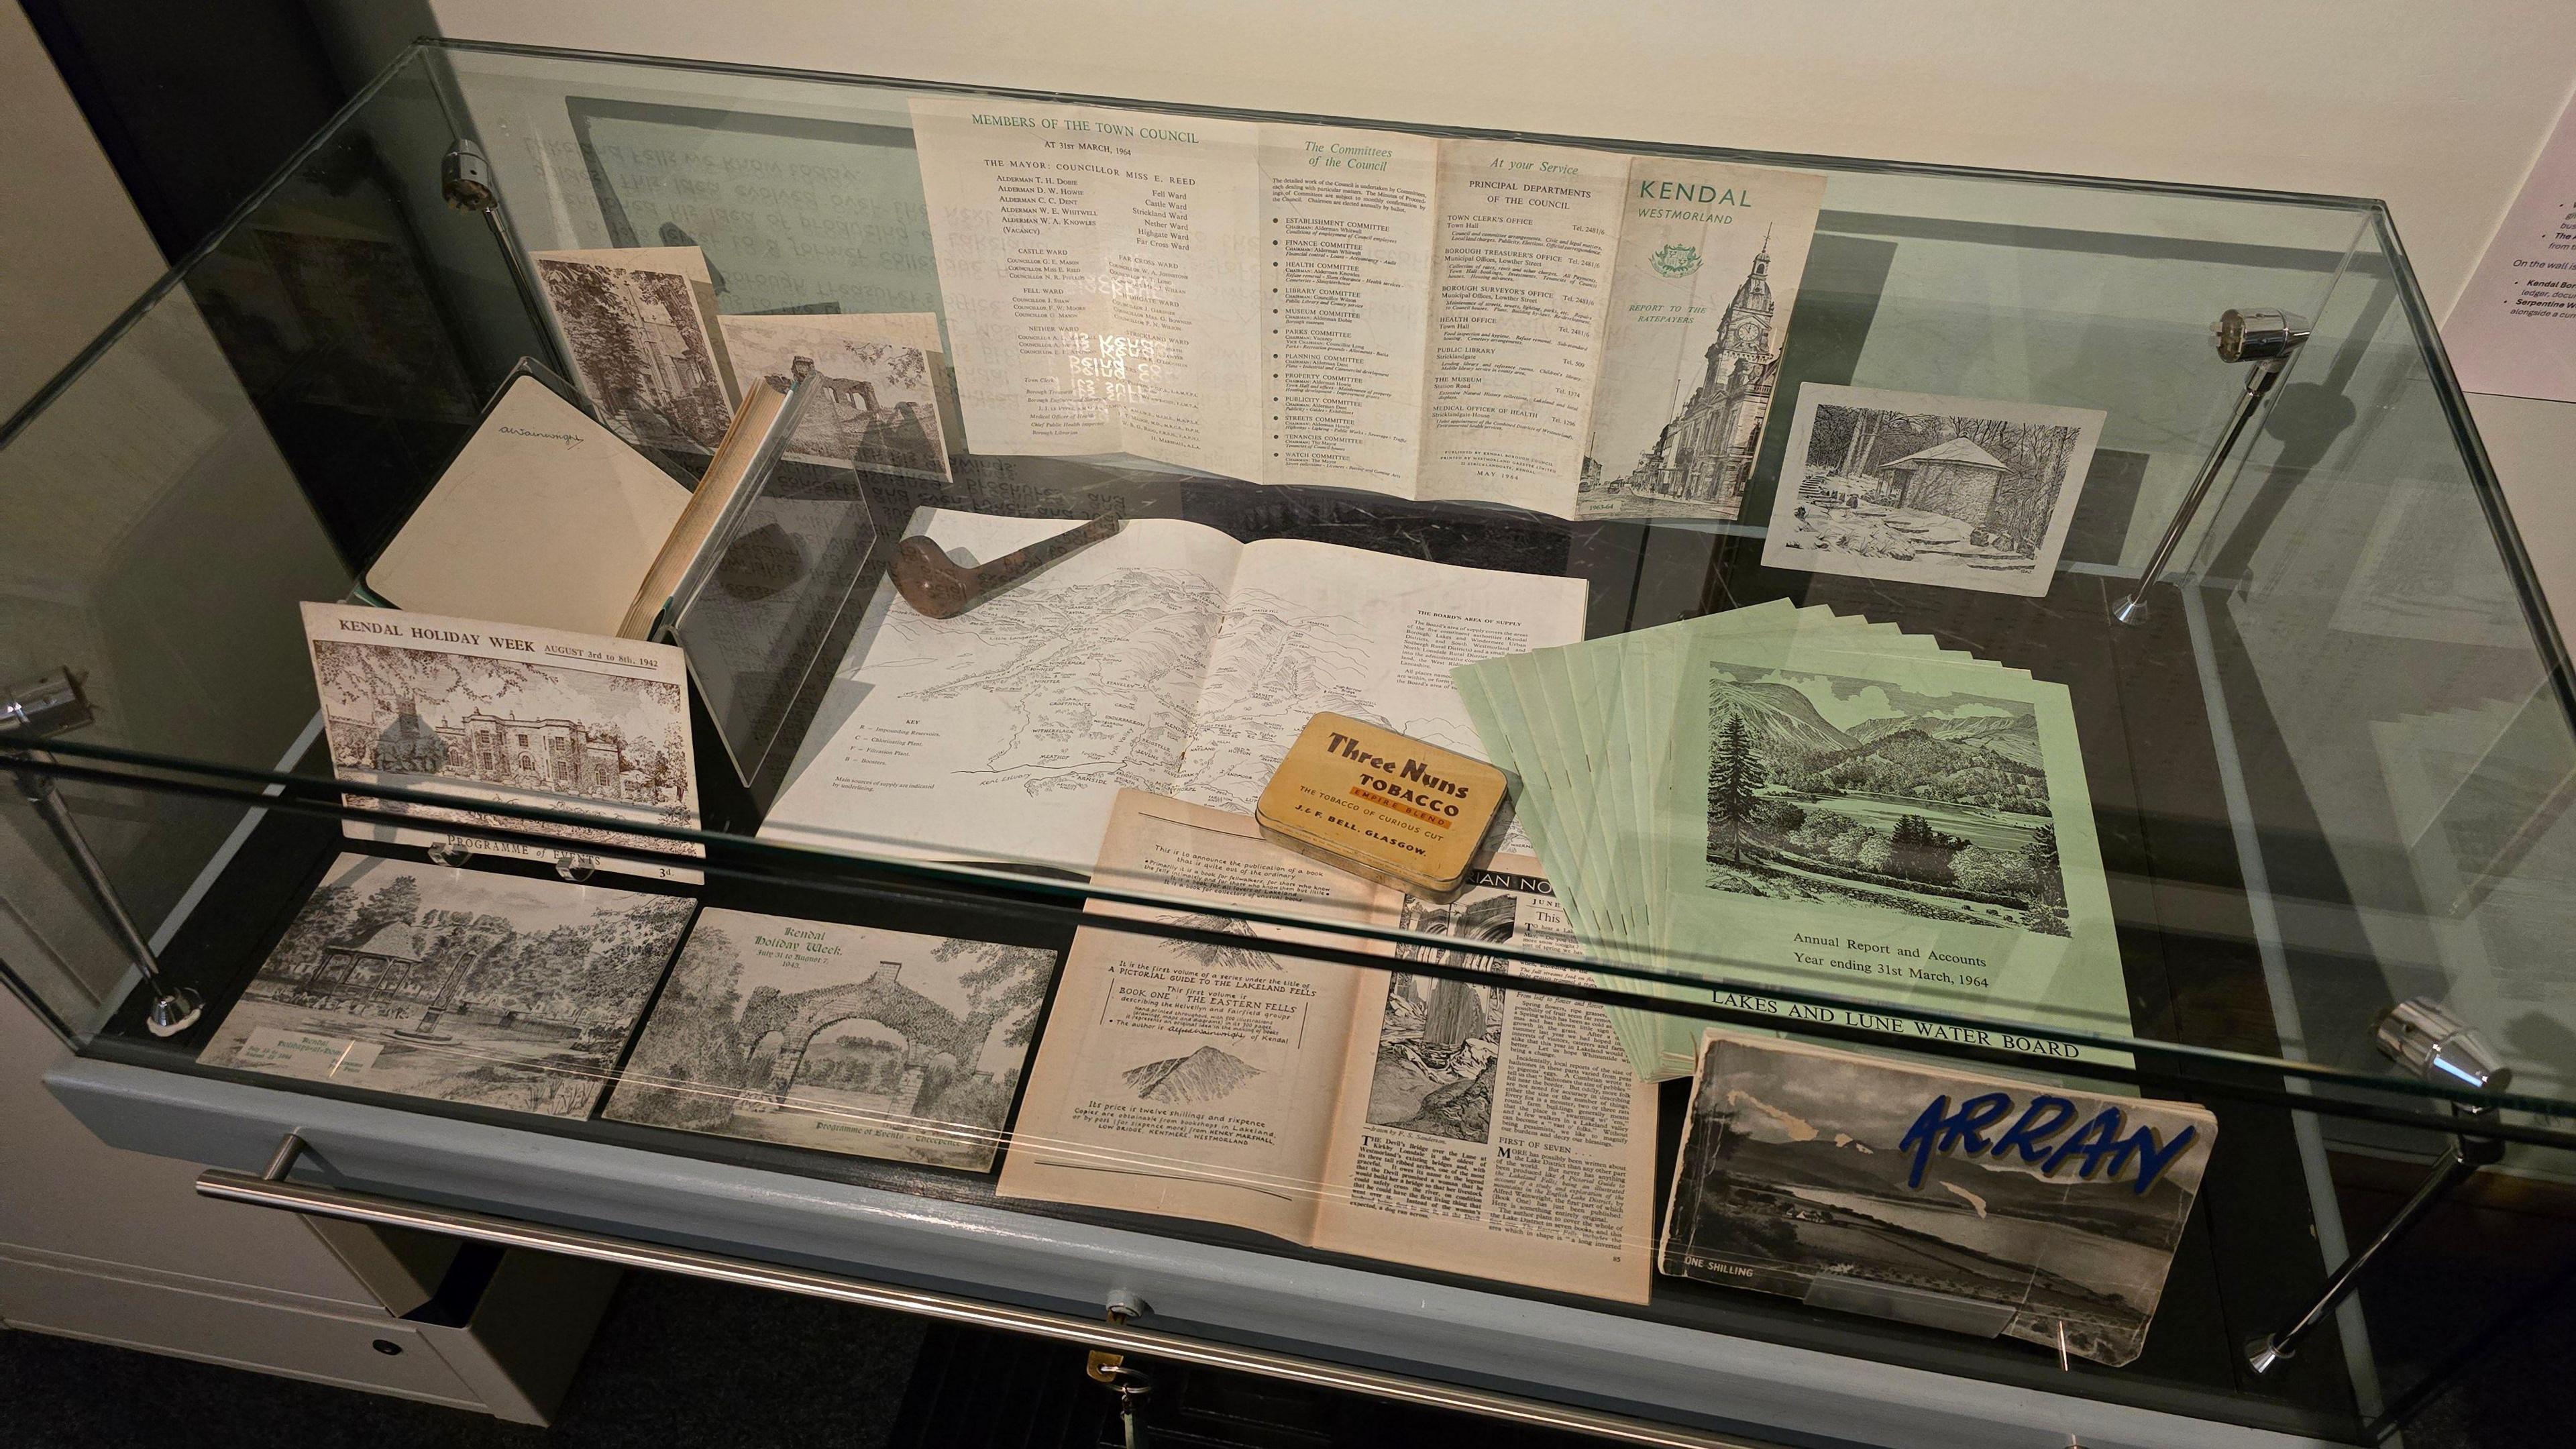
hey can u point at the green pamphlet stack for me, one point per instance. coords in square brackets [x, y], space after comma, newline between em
[1781, 797]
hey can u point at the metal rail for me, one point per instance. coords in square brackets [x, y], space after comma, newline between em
[272, 1190]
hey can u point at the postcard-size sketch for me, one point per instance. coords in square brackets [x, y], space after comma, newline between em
[840, 1038]
[1963, 1201]
[1402, 1114]
[460, 985]
[498, 713]
[639, 326]
[1962, 492]
[875, 401]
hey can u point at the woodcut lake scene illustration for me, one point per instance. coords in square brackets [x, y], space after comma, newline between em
[1832, 789]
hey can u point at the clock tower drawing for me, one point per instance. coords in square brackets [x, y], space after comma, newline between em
[1703, 457]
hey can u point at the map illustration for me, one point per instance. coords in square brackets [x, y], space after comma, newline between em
[1086, 687]
[1146, 679]
[1169, 659]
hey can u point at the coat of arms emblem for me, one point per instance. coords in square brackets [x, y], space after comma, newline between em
[1676, 260]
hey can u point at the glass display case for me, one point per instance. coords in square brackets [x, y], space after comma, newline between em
[1925, 652]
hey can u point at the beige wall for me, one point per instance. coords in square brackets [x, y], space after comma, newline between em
[77, 253]
[2436, 108]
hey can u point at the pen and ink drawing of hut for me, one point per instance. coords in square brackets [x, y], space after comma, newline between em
[1945, 490]
[642, 350]
[1700, 462]
[1957, 478]
[871, 1065]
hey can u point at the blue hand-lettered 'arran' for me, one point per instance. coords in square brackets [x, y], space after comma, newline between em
[2100, 1143]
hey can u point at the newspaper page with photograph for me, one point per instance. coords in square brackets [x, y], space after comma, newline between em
[1412, 1117]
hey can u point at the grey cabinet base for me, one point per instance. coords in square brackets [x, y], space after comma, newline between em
[1458, 1335]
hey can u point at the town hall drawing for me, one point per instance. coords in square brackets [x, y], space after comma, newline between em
[1699, 463]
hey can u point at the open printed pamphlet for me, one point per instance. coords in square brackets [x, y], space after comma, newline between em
[1421, 1119]
[1563, 330]
[1167, 657]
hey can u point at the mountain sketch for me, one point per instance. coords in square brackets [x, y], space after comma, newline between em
[1939, 808]
[1206, 1075]
[1783, 719]
[2015, 739]
[1222, 954]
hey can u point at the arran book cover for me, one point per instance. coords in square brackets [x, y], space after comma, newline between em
[1978, 1203]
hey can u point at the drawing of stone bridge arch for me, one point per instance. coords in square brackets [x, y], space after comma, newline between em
[927, 1027]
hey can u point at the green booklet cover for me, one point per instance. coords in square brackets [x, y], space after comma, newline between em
[1786, 796]
[1904, 827]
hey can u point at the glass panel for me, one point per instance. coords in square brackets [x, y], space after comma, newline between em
[2192, 858]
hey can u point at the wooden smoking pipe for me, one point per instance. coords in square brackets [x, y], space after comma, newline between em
[942, 588]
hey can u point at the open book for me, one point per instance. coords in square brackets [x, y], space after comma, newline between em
[1565, 330]
[1168, 657]
[1381, 1113]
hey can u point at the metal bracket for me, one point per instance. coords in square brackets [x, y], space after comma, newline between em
[2422, 1036]
[465, 180]
[271, 1189]
[41, 709]
[2267, 339]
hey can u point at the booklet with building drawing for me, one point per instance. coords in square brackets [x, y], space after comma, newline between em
[497, 713]
[639, 326]
[1963, 1201]
[1564, 330]
[1417, 1118]
[1166, 657]
[841, 1038]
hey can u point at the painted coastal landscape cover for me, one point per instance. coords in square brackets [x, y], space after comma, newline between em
[1979, 1202]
